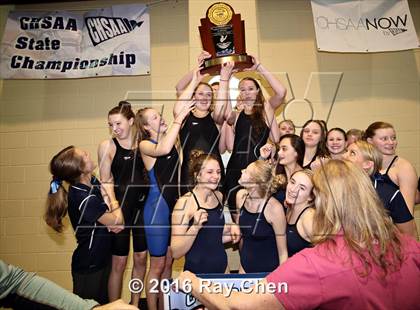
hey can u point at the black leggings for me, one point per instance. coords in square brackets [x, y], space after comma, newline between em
[92, 285]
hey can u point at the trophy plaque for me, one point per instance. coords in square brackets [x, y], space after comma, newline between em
[222, 34]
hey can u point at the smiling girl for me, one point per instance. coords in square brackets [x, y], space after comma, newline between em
[122, 174]
[395, 170]
[90, 217]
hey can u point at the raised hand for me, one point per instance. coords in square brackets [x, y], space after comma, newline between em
[265, 150]
[255, 66]
[185, 110]
[197, 76]
[200, 217]
[226, 71]
[203, 56]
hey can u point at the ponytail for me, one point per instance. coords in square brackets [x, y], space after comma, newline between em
[56, 209]
[67, 166]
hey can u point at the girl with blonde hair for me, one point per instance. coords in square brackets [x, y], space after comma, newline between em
[368, 157]
[360, 260]
[300, 211]
[261, 220]
[157, 144]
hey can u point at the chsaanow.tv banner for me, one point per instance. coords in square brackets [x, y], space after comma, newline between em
[102, 42]
[363, 25]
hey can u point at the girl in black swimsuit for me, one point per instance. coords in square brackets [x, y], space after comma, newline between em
[300, 211]
[314, 134]
[201, 129]
[252, 126]
[396, 170]
[123, 176]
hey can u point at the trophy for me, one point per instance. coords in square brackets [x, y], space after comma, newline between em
[222, 34]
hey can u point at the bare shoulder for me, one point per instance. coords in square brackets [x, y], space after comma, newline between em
[107, 147]
[182, 202]
[274, 208]
[240, 197]
[403, 163]
[308, 214]
[107, 143]
[144, 143]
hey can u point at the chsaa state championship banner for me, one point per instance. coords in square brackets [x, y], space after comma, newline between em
[363, 25]
[221, 283]
[57, 45]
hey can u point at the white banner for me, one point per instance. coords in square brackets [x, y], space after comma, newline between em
[57, 45]
[363, 25]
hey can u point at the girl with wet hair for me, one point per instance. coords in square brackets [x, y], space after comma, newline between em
[354, 135]
[251, 126]
[291, 151]
[300, 211]
[287, 126]
[359, 257]
[336, 142]
[198, 222]
[122, 174]
[314, 134]
[369, 158]
[91, 217]
[395, 170]
[261, 220]
[202, 128]
[159, 151]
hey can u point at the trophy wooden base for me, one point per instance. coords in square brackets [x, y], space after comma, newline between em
[212, 66]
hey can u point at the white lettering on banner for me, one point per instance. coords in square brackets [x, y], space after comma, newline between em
[102, 29]
[48, 22]
[64, 45]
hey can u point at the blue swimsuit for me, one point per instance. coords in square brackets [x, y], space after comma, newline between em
[259, 245]
[163, 193]
[209, 238]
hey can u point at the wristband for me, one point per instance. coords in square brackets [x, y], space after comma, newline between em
[224, 80]
[177, 123]
[256, 68]
[114, 202]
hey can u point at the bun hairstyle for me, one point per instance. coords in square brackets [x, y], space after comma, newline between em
[195, 164]
[123, 108]
[370, 131]
[67, 166]
[267, 181]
